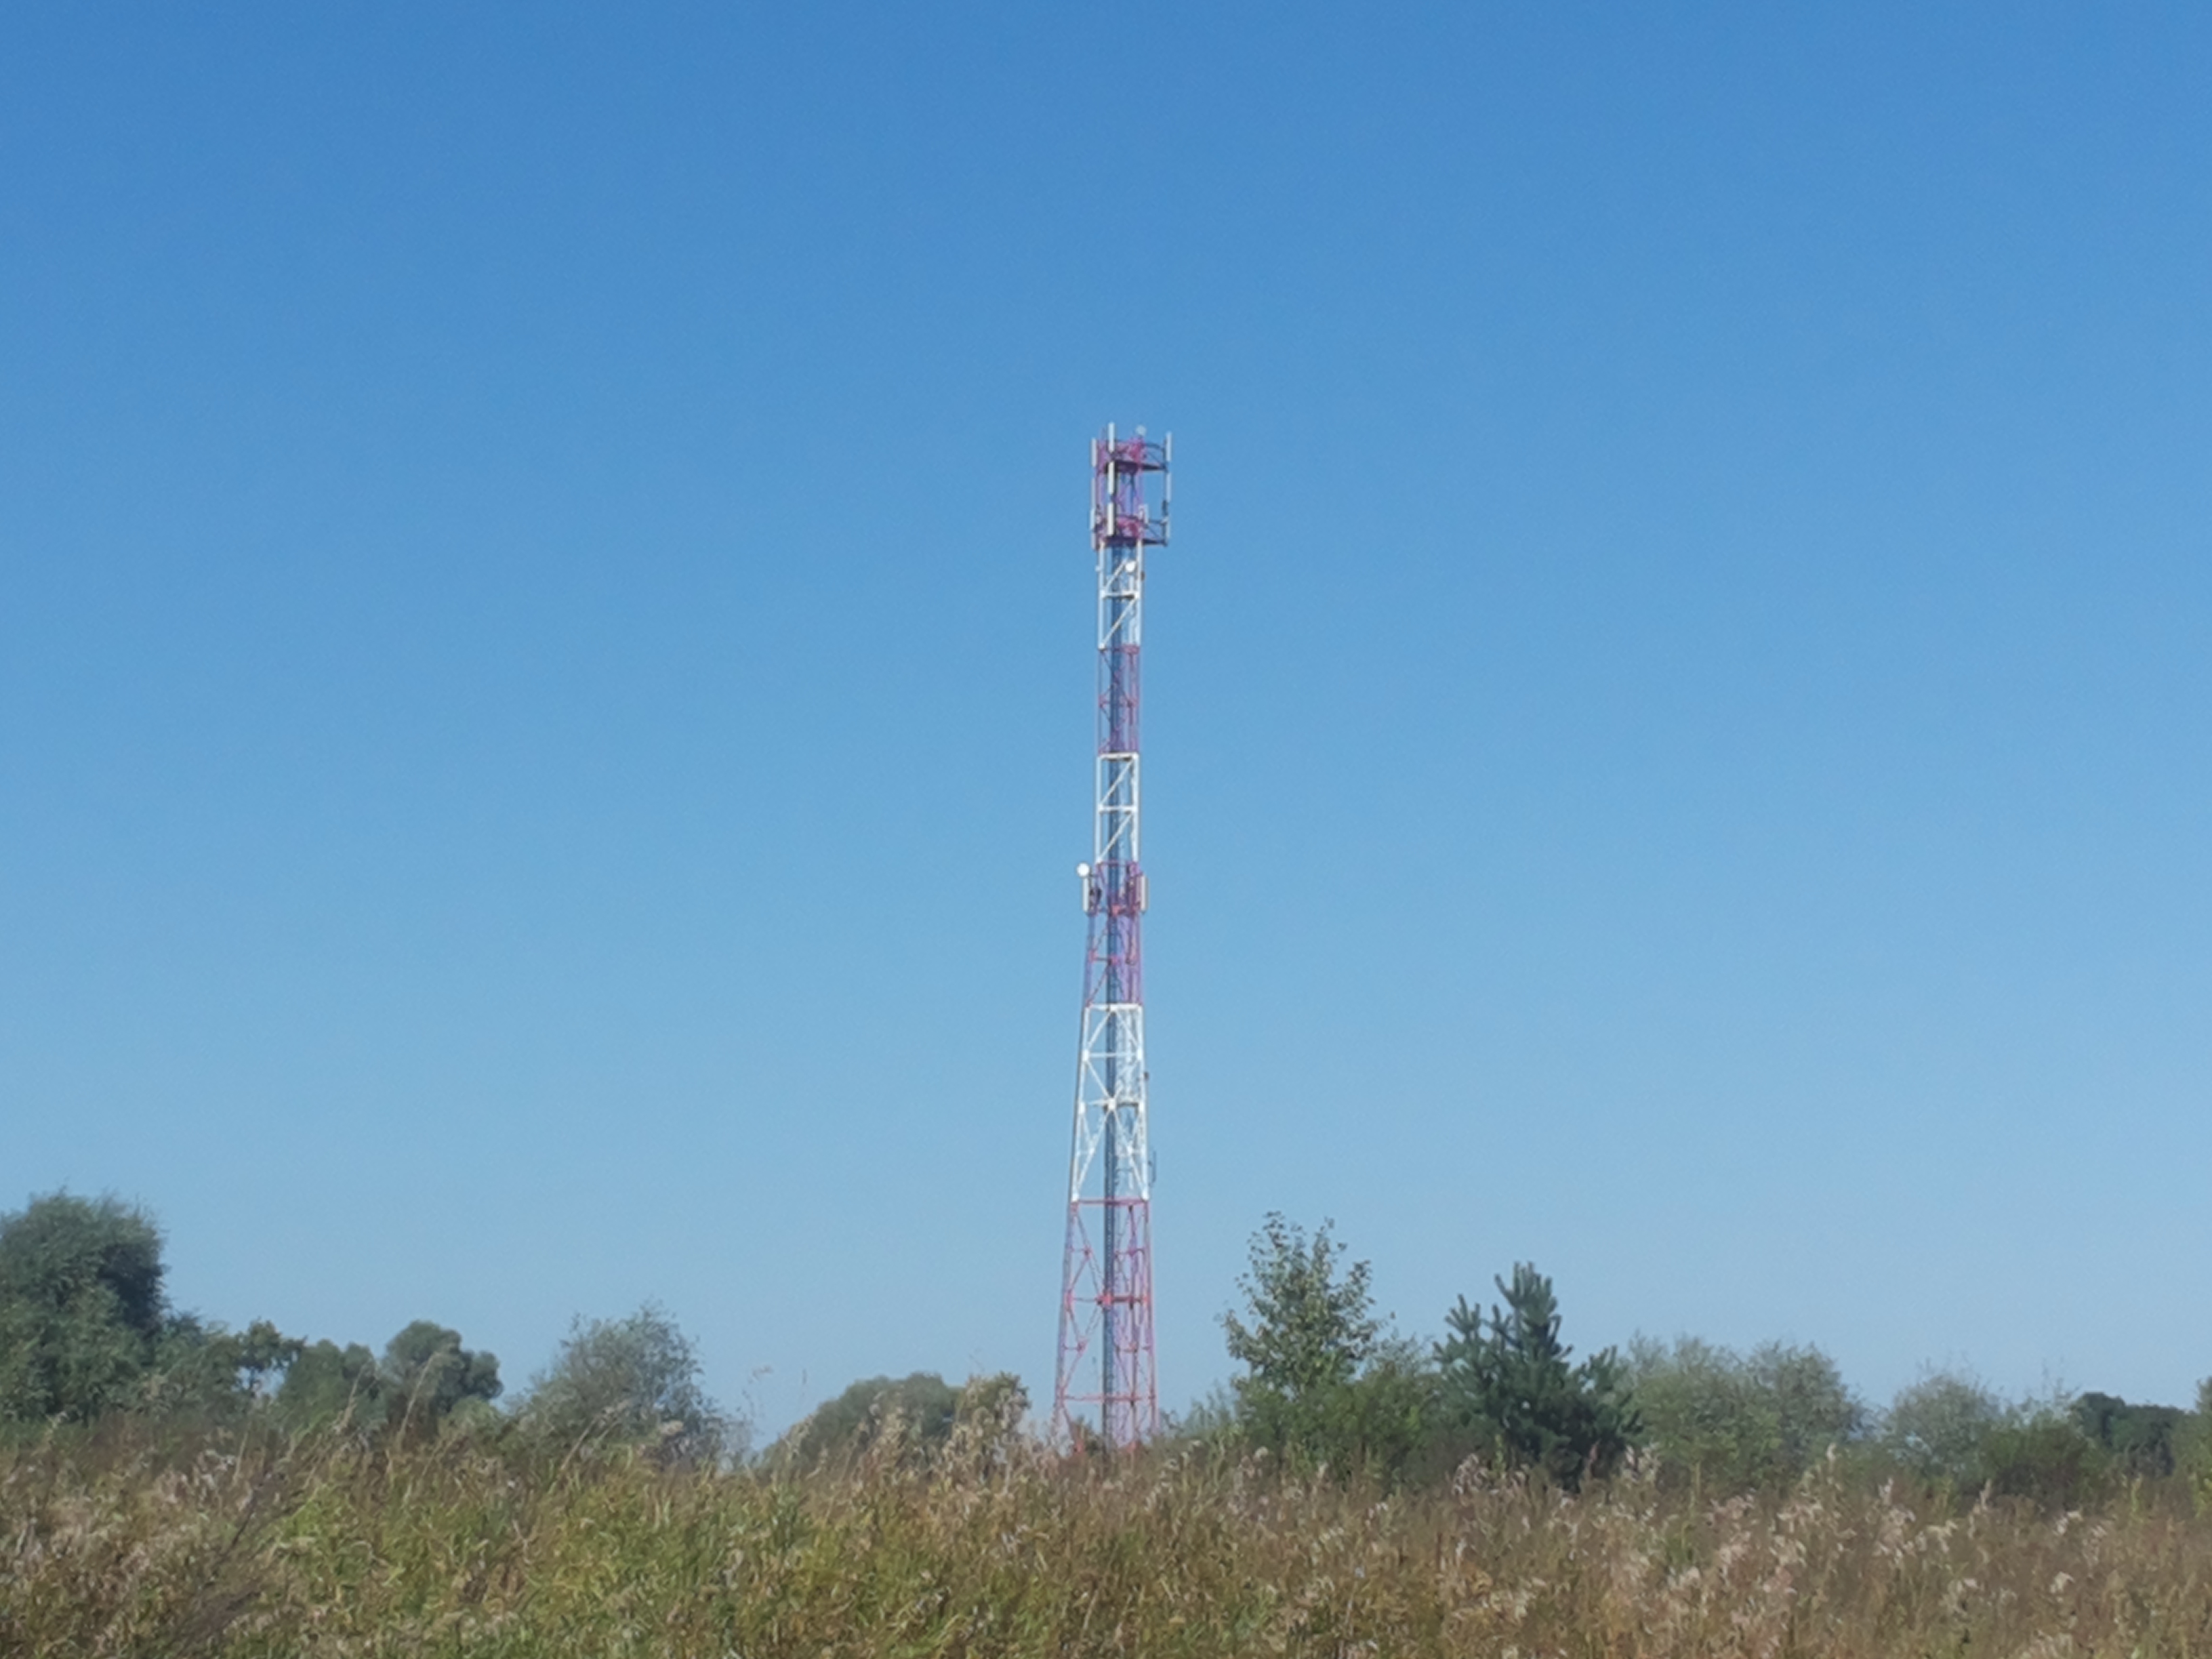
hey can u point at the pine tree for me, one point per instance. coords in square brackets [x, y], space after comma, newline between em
[1507, 1381]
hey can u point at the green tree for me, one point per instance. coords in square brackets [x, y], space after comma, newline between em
[215, 1373]
[1508, 1385]
[327, 1385]
[426, 1374]
[1323, 1382]
[989, 1424]
[906, 1417]
[2039, 1452]
[2144, 1441]
[1940, 1427]
[992, 1397]
[631, 1382]
[81, 1307]
[2193, 1445]
[1954, 1431]
[1312, 1324]
[1734, 1422]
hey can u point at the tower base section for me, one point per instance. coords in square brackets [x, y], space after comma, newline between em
[1106, 1326]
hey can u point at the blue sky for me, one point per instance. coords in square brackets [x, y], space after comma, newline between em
[545, 662]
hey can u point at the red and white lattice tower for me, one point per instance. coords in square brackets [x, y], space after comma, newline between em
[1106, 1370]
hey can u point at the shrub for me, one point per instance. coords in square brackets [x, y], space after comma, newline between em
[1324, 1384]
[1953, 1430]
[904, 1419]
[2144, 1441]
[2041, 1454]
[327, 1385]
[629, 1384]
[1938, 1426]
[81, 1307]
[1729, 1422]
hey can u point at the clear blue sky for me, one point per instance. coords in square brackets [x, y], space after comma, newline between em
[544, 671]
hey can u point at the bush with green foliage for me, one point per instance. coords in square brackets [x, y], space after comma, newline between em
[327, 1386]
[2143, 1441]
[428, 1376]
[2039, 1453]
[1955, 1431]
[425, 1381]
[82, 1307]
[906, 1420]
[86, 1329]
[993, 1412]
[1324, 1384]
[1726, 1422]
[1939, 1426]
[1508, 1388]
[2193, 1445]
[632, 1385]
[910, 1414]
[215, 1375]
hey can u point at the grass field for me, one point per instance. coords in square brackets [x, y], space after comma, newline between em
[318, 1548]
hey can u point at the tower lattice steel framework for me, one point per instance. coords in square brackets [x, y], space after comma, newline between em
[1107, 1367]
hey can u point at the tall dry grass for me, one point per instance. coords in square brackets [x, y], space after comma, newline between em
[323, 1549]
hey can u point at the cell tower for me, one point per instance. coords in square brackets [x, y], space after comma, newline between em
[1106, 1360]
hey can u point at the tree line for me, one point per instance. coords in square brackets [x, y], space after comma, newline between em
[1326, 1385]
[88, 1329]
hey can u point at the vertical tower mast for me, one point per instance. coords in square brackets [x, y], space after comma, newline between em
[1106, 1274]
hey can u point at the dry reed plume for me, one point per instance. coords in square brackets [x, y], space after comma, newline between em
[321, 1548]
